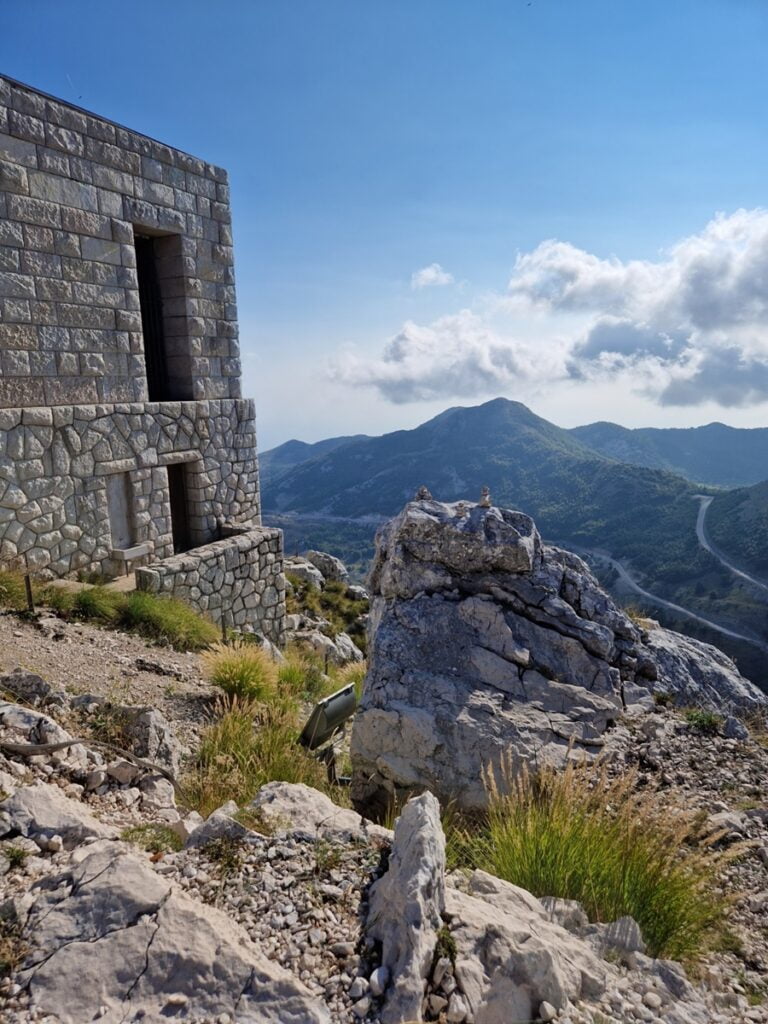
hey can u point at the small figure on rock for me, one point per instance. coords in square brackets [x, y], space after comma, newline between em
[485, 498]
[423, 494]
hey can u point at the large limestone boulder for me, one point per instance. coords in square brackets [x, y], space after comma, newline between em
[111, 939]
[699, 674]
[44, 811]
[485, 645]
[331, 567]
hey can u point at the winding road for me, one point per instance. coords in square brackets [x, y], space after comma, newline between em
[705, 501]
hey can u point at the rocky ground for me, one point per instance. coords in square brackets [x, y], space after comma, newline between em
[118, 904]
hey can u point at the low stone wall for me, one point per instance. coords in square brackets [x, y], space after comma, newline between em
[239, 579]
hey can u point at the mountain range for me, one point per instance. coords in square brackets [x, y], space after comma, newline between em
[629, 510]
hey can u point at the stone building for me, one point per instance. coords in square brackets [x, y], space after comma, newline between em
[124, 439]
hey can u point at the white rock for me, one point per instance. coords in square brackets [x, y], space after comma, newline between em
[406, 906]
[44, 810]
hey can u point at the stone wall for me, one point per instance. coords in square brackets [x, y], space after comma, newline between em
[239, 579]
[74, 191]
[55, 463]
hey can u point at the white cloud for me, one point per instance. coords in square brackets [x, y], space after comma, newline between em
[688, 328]
[431, 276]
[460, 356]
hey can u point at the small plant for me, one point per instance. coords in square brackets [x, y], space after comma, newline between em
[13, 947]
[327, 856]
[17, 857]
[154, 838]
[244, 671]
[59, 600]
[706, 722]
[302, 675]
[445, 947]
[227, 853]
[110, 724]
[355, 673]
[663, 699]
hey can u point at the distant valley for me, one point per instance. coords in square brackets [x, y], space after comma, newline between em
[632, 509]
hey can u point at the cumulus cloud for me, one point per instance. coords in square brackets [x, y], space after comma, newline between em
[686, 328]
[459, 356]
[431, 276]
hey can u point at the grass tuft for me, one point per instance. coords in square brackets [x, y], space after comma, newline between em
[580, 834]
[167, 620]
[706, 722]
[98, 605]
[153, 838]
[243, 671]
[13, 596]
[245, 746]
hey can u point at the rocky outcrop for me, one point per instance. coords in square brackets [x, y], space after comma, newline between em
[699, 675]
[473, 948]
[140, 949]
[331, 567]
[485, 644]
[488, 648]
[406, 907]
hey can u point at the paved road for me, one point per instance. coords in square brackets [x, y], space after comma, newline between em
[629, 582]
[705, 501]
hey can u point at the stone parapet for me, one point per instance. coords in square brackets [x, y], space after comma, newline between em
[238, 581]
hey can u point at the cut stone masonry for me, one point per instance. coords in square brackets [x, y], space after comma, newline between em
[123, 436]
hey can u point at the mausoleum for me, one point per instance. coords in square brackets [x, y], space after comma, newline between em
[125, 443]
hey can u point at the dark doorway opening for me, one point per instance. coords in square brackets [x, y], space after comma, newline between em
[151, 303]
[177, 487]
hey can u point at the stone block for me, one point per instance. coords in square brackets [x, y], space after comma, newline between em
[18, 151]
[69, 390]
[54, 162]
[25, 126]
[101, 250]
[56, 189]
[34, 211]
[14, 178]
[64, 139]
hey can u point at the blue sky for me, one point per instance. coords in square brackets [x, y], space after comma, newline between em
[369, 141]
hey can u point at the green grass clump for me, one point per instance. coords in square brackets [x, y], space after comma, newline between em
[246, 746]
[580, 834]
[153, 838]
[13, 596]
[706, 722]
[302, 674]
[96, 604]
[244, 670]
[167, 620]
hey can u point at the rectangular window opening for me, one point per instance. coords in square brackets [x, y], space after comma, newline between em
[167, 350]
[177, 487]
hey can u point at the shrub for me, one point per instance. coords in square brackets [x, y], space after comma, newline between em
[705, 722]
[243, 671]
[168, 620]
[663, 698]
[60, 600]
[579, 834]
[246, 746]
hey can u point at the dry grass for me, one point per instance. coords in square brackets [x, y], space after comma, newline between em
[247, 745]
[580, 834]
[241, 670]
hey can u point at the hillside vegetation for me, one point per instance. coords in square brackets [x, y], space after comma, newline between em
[737, 524]
[643, 517]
